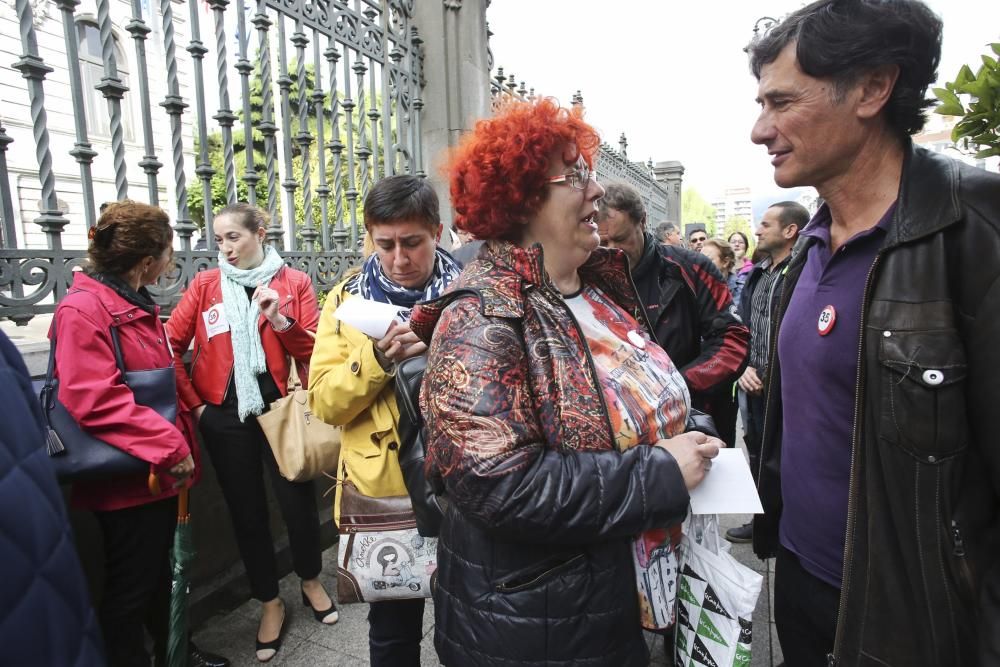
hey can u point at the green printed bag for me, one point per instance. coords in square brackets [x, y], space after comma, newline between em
[716, 597]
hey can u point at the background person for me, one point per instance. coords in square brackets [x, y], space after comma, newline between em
[556, 424]
[250, 318]
[129, 248]
[741, 248]
[777, 232]
[351, 381]
[880, 473]
[696, 239]
[667, 233]
[687, 302]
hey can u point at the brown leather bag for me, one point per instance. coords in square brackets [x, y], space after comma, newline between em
[303, 444]
[382, 555]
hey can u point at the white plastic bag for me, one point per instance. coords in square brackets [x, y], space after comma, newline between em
[716, 598]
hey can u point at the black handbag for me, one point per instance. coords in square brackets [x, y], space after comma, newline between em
[428, 501]
[78, 456]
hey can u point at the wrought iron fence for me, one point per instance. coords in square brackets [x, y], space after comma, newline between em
[328, 89]
[612, 165]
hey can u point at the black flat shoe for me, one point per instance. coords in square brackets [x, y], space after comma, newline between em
[199, 658]
[328, 616]
[267, 650]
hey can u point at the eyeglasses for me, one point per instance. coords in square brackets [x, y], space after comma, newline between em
[698, 239]
[577, 179]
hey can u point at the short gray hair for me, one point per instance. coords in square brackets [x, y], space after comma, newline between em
[665, 229]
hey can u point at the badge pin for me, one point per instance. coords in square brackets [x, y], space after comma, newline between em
[636, 339]
[827, 318]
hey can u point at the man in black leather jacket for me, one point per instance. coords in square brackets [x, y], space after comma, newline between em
[880, 475]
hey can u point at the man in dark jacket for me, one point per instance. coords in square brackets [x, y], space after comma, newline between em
[880, 475]
[47, 618]
[777, 232]
[688, 305]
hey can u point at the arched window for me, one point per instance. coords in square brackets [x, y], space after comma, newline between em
[92, 69]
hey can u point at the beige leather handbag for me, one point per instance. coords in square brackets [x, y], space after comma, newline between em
[303, 444]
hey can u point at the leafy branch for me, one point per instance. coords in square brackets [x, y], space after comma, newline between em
[975, 98]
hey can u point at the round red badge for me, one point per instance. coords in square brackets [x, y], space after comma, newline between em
[827, 318]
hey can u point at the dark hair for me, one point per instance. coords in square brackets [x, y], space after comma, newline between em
[791, 213]
[250, 217]
[126, 233]
[842, 39]
[402, 197]
[622, 198]
[746, 241]
[698, 229]
[664, 229]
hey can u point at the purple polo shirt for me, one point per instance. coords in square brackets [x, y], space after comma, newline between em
[818, 377]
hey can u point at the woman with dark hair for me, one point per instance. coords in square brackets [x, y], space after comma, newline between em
[129, 249]
[741, 270]
[251, 318]
[351, 381]
[555, 422]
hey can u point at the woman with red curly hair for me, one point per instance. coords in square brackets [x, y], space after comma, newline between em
[542, 381]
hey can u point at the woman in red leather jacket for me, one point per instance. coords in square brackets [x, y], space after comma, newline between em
[129, 249]
[250, 318]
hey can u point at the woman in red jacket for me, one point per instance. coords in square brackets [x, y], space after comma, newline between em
[129, 249]
[250, 318]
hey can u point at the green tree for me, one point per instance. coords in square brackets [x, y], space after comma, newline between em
[694, 208]
[216, 159]
[979, 127]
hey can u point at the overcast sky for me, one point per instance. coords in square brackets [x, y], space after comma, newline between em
[673, 75]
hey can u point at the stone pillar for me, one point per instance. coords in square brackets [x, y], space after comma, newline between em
[669, 174]
[457, 91]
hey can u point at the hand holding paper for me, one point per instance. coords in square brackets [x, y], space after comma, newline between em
[728, 487]
[370, 317]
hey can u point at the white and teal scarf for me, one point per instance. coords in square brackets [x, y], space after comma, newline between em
[243, 314]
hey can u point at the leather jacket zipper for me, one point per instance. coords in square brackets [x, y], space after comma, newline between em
[523, 583]
[833, 658]
[957, 541]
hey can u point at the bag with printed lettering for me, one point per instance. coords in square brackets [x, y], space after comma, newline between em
[716, 597]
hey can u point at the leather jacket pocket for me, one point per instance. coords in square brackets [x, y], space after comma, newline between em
[923, 396]
[537, 574]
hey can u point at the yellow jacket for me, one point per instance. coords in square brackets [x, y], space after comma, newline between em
[348, 388]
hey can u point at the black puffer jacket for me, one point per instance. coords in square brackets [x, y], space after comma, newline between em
[922, 553]
[45, 612]
[533, 558]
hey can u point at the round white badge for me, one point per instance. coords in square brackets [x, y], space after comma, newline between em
[636, 339]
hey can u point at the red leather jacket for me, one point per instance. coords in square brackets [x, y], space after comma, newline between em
[212, 359]
[91, 389]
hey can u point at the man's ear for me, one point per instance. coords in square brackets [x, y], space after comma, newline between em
[437, 234]
[790, 232]
[876, 88]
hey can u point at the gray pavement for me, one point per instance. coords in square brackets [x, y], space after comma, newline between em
[308, 642]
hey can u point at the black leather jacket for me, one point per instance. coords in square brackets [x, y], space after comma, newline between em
[922, 553]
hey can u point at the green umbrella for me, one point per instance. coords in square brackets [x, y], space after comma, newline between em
[177, 639]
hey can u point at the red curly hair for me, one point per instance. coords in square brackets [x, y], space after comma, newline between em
[498, 172]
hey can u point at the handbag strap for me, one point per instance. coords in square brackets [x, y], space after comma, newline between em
[294, 382]
[50, 369]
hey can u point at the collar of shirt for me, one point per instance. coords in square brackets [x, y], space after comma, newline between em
[819, 227]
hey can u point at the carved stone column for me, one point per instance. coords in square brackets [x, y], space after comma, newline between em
[669, 174]
[456, 73]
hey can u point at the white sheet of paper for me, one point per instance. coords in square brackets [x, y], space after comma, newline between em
[370, 317]
[728, 487]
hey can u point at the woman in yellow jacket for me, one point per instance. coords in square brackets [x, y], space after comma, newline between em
[350, 378]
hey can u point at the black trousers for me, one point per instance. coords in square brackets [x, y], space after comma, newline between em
[754, 429]
[137, 543]
[240, 453]
[805, 613]
[395, 629]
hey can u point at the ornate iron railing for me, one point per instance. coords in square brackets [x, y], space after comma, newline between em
[612, 165]
[329, 89]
